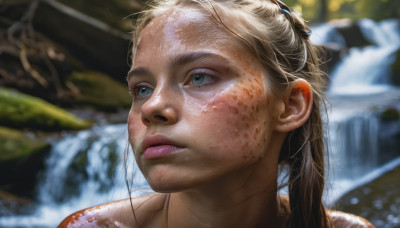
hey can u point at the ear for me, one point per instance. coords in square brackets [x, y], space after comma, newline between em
[295, 107]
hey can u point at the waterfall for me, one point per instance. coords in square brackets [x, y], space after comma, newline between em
[360, 90]
[83, 170]
[367, 69]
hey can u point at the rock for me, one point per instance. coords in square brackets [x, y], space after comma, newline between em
[115, 13]
[95, 89]
[18, 110]
[395, 77]
[351, 33]
[96, 44]
[377, 201]
[390, 114]
[21, 159]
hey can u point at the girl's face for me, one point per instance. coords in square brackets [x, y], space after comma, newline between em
[201, 107]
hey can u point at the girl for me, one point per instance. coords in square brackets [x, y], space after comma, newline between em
[223, 92]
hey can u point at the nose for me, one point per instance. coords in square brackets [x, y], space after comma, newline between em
[160, 108]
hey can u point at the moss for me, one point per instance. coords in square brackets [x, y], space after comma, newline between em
[396, 70]
[390, 114]
[23, 111]
[21, 159]
[100, 91]
[17, 146]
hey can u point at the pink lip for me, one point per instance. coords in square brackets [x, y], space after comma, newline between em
[158, 146]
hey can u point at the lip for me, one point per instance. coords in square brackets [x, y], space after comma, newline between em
[159, 146]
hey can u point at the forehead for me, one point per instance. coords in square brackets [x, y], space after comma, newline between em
[186, 28]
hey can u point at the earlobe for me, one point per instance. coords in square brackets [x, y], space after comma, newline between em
[297, 106]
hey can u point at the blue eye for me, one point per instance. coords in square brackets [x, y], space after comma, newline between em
[201, 79]
[143, 91]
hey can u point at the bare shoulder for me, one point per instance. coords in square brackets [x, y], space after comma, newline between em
[142, 211]
[338, 219]
[341, 219]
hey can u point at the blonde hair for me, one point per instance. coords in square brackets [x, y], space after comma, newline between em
[278, 37]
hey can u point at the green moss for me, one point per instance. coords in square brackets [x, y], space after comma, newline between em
[21, 159]
[15, 145]
[23, 111]
[390, 114]
[100, 91]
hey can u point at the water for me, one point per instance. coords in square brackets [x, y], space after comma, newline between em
[367, 70]
[67, 187]
[360, 149]
[360, 89]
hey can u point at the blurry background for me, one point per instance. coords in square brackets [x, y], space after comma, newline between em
[64, 104]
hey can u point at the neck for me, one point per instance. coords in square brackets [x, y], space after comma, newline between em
[243, 203]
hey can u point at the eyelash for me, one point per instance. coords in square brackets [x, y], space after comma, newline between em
[133, 91]
[203, 72]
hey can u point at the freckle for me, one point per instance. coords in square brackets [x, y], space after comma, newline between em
[257, 130]
[235, 110]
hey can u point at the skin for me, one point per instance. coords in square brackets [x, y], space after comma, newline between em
[227, 132]
[225, 127]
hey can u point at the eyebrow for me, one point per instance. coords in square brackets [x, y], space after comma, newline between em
[178, 60]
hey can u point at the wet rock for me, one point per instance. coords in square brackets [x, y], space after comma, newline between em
[351, 32]
[97, 90]
[390, 114]
[18, 110]
[378, 201]
[21, 159]
[395, 77]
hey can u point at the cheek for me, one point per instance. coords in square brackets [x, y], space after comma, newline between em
[134, 125]
[239, 117]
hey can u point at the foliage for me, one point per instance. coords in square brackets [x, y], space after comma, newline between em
[353, 9]
[20, 110]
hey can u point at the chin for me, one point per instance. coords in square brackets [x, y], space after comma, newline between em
[168, 186]
[168, 181]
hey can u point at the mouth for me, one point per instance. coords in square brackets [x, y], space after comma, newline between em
[158, 147]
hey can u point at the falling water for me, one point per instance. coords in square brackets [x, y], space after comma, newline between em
[83, 170]
[367, 70]
[360, 90]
